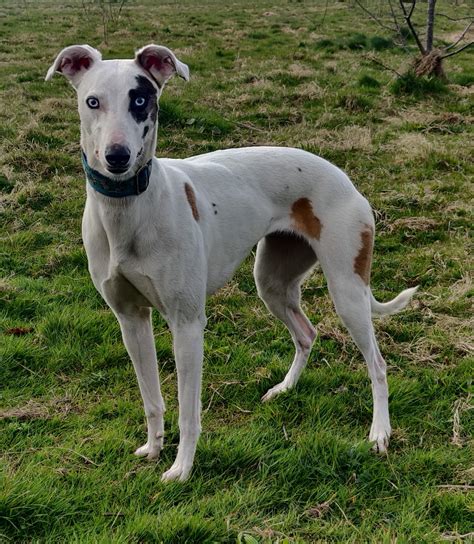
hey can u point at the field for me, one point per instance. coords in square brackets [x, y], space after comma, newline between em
[297, 469]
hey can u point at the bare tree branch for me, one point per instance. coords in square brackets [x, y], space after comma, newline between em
[374, 17]
[468, 18]
[410, 24]
[394, 17]
[458, 51]
[465, 31]
[121, 7]
[397, 24]
[412, 9]
[325, 12]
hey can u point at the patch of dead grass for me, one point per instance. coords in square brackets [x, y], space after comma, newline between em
[460, 289]
[420, 224]
[310, 91]
[411, 146]
[347, 139]
[417, 116]
[36, 409]
[462, 90]
[460, 406]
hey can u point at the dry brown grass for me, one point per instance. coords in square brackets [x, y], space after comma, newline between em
[347, 139]
[35, 409]
[412, 223]
[411, 146]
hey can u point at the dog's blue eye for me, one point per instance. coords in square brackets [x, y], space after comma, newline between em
[92, 102]
[139, 102]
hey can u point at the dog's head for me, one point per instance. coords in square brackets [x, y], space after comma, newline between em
[118, 103]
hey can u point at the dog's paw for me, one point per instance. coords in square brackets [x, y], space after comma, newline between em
[151, 451]
[274, 391]
[380, 438]
[176, 472]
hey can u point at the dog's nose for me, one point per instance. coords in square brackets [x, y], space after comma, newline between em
[117, 156]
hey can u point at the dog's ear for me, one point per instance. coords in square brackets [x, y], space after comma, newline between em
[73, 62]
[161, 63]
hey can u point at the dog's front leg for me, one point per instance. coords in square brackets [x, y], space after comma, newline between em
[188, 351]
[138, 338]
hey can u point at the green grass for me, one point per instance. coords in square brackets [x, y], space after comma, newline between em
[298, 469]
[409, 83]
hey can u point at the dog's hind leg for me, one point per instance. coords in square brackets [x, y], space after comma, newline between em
[347, 270]
[282, 261]
[352, 304]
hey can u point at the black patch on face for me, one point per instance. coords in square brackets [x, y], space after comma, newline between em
[145, 132]
[146, 90]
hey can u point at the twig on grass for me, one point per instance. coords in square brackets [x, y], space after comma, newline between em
[86, 459]
[248, 126]
[456, 487]
[216, 392]
[319, 510]
[371, 58]
[456, 536]
[346, 518]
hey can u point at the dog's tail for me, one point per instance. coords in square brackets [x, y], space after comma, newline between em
[398, 303]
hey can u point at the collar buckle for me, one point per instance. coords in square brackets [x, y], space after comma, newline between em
[142, 178]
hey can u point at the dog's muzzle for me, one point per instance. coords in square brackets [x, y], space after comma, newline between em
[118, 158]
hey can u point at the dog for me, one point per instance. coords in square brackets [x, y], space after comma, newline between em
[166, 233]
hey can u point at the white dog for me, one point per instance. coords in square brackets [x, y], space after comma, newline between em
[166, 233]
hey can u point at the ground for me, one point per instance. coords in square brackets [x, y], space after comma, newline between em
[297, 469]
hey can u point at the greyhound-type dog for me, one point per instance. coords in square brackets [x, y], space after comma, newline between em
[166, 233]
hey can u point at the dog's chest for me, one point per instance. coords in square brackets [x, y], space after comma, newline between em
[125, 261]
[138, 261]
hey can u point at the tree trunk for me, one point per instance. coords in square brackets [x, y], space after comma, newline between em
[430, 25]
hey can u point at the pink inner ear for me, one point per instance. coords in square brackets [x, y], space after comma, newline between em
[74, 64]
[161, 65]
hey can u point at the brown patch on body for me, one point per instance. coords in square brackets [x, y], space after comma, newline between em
[191, 196]
[363, 261]
[304, 219]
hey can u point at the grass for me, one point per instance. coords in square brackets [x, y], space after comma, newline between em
[298, 469]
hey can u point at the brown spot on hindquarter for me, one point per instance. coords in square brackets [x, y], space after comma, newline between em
[304, 219]
[363, 261]
[190, 195]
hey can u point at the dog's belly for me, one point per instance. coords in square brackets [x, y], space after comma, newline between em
[218, 276]
[231, 241]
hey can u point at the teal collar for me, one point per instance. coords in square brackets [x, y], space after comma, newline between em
[136, 185]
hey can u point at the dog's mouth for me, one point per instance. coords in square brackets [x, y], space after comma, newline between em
[117, 170]
[122, 169]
